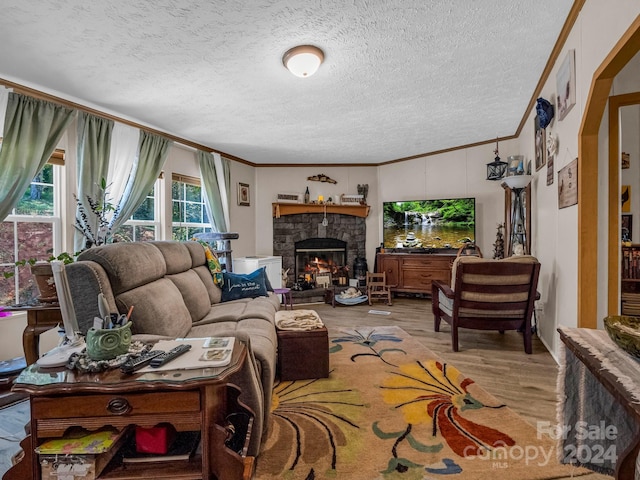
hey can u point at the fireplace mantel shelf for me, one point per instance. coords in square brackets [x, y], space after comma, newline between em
[280, 209]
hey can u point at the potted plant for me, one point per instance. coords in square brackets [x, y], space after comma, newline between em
[41, 271]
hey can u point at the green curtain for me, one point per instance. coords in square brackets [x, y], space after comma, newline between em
[211, 187]
[94, 145]
[32, 129]
[153, 151]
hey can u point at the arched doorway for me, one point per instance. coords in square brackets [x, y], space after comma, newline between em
[624, 50]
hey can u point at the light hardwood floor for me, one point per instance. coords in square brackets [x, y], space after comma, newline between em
[526, 383]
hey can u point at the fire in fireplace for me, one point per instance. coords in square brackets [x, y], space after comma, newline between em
[319, 255]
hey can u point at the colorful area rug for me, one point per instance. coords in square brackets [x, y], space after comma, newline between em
[391, 409]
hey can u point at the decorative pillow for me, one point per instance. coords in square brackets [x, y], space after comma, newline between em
[250, 285]
[212, 262]
[267, 283]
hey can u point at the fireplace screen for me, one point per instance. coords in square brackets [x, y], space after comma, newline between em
[320, 256]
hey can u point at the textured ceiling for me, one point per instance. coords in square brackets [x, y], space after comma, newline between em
[400, 78]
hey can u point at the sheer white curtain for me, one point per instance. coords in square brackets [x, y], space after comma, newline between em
[4, 98]
[122, 159]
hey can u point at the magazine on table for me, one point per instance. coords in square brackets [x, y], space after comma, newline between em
[204, 353]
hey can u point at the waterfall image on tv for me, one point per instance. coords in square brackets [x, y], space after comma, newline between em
[442, 223]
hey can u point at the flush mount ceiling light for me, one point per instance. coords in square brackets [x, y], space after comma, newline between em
[303, 60]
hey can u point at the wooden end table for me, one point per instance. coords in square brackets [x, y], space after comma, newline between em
[191, 400]
[40, 318]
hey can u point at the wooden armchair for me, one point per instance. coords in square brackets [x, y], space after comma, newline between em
[377, 287]
[488, 294]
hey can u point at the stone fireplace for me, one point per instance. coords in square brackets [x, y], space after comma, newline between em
[348, 230]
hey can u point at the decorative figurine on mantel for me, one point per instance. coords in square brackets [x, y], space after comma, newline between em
[498, 246]
[363, 190]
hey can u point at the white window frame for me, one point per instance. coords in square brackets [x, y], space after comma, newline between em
[188, 180]
[55, 220]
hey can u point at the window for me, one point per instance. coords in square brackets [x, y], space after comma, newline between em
[189, 215]
[32, 230]
[142, 226]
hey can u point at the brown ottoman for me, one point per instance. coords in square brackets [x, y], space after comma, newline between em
[303, 354]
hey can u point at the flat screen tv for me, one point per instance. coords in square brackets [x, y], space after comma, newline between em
[446, 223]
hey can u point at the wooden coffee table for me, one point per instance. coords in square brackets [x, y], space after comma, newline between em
[191, 400]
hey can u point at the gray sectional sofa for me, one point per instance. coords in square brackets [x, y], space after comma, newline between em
[173, 294]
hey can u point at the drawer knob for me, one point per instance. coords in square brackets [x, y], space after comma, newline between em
[118, 406]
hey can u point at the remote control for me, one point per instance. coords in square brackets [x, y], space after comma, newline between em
[143, 360]
[170, 355]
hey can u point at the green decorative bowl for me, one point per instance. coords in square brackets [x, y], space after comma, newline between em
[625, 332]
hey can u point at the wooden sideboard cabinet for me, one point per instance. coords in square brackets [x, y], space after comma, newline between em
[414, 272]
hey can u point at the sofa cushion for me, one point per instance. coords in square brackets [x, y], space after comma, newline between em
[158, 309]
[176, 256]
[128, 264]
[197, 253]
[194, 293]
[214, 291]
[249, 285]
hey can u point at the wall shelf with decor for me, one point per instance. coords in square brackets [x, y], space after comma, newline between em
[281, 209]
[630, 280]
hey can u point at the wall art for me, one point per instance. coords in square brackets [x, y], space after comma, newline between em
[566, 85]
[626, 160]
[568, 185]
[541, 144]
[244, 195]
[550, 172]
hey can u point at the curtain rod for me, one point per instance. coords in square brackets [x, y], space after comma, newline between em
[52, 98]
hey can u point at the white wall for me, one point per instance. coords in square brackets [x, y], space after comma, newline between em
[598, 28]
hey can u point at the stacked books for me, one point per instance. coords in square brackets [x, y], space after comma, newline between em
[630, 304]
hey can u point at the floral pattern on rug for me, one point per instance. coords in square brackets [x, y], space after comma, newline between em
[436, 394]
[313, 420]
[369, 341]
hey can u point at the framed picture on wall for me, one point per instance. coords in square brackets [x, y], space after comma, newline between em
[550, 171]
[625, 160]
[244, 195]
[566, 85]
[541, 144]
[568, 185]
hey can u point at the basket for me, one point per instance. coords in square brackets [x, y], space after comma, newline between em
[625, 332]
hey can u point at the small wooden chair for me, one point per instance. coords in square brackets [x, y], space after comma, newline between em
[377, 287]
